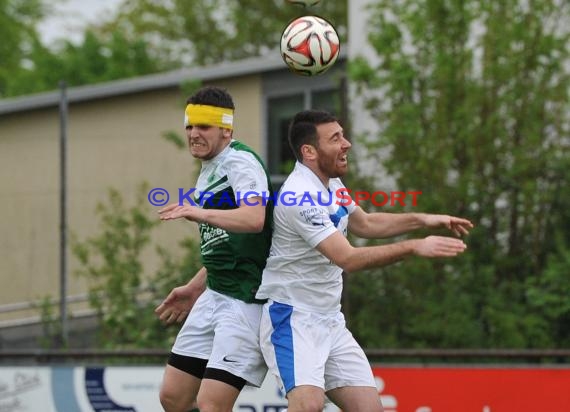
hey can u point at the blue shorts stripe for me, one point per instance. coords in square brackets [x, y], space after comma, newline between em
[282, 340]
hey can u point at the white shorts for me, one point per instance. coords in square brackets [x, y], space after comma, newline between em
[225, 331]
[304, 348]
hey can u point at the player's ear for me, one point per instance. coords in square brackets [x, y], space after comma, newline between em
[308, 151]
[227, 133]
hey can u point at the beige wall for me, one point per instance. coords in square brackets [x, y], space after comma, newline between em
[247, 95]
[114, 142]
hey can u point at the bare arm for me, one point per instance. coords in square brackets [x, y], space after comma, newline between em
[383, 225]
[248, 218]
[338, 250]
[180, 300]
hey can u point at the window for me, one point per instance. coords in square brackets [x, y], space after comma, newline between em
[280, 110]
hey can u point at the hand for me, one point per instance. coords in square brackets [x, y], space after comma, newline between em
[439, 246]
[175, 211]
[177, 305]
[457, 225]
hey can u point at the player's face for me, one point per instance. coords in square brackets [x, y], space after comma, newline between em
[333, 150]
[205, 142]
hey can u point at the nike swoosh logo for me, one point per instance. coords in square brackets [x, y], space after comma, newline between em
[225, 359]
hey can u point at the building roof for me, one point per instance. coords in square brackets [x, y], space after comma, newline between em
[144, 83]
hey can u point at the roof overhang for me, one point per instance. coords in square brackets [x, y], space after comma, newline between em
[145, 83]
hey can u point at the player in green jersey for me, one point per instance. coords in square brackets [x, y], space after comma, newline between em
[217, 350]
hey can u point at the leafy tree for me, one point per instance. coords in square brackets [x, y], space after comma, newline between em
[29, 66]
[471, 98]
[146, 36]
[211, 31]
[94, 60]
[18, 19]
[51, 324]
[111, 261]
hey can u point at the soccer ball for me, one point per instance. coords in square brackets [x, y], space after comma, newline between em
[309, 45]
[306, 3]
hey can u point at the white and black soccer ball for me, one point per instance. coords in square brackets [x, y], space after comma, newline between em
[306, 3]
[309, 45]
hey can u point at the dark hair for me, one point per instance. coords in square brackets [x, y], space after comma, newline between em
[303, 129]
[212, 96]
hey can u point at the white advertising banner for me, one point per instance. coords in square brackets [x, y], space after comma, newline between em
[107, 389]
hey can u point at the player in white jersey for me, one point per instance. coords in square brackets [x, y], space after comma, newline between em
[303, 335]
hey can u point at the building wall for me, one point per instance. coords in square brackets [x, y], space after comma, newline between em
[112, 142]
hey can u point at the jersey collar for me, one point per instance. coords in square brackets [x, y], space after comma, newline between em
[309, 174]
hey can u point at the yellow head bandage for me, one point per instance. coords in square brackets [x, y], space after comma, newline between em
[200, 114]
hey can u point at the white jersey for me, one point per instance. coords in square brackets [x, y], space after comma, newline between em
[306, 212]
